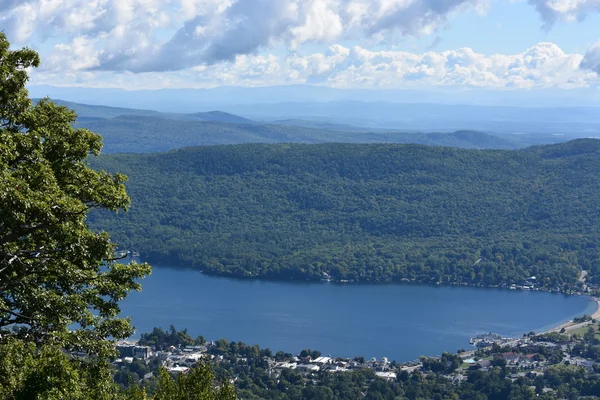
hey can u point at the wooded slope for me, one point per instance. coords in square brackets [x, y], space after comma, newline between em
[366, 212]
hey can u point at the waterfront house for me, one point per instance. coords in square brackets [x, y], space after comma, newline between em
[322, 360]
[308, 368]
[386, 375]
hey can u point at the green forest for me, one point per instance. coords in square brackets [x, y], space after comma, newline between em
[365, 212]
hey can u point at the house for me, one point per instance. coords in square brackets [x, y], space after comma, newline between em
[308, 368]
[322, 360]
[193, 358]
[510, 357]
[132, 350]
[386, 375]
[581, 362]
[481, 364]
[334, 368]
[286, 365]
[162, 355]
[528, 359]
[547, 344]
[194, 349]
[178, 370]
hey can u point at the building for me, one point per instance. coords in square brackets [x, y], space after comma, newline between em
[511, 358]
[132, 350]
[322, 360]
[178, 370]
[308, 368]
[386, 375]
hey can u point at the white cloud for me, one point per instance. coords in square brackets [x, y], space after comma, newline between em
[591, 60]
[128, 34]
[553, 11]
[231, 39]
[542, 66]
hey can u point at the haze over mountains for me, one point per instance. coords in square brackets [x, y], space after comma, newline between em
[189, 100]
[141, 131]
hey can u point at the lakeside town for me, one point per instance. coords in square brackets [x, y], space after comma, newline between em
[571, 345]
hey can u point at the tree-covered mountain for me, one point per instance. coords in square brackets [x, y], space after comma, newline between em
[366, 212]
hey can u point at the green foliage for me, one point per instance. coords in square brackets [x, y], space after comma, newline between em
[54, 271]
[27, 372]
[160, 339]
[59, 284]
[446, 364]
[366, 212]
[582, 319]
[195, 385]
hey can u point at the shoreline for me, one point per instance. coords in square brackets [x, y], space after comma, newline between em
[549, 328]
[393, 282]
[571, 325]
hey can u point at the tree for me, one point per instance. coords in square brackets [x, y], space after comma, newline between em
[60, 282]
[54, 270]
[47, 372]
[197, 384]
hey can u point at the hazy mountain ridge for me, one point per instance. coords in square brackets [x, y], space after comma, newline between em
[545, 112]
[142, 131]
[190, 100]
[217, 116]
[143, 134]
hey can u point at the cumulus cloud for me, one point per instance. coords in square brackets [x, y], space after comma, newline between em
[544, 65]
[122, 34]
[231, 37]
[552, 11]
[591, 60]
[240, 29]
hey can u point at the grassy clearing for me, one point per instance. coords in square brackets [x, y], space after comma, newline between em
[583, 330]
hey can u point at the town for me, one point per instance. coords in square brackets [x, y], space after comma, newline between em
[531, 360]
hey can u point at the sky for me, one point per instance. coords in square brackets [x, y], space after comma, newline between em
[378, 44]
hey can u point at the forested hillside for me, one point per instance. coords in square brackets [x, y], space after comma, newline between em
[366, 212]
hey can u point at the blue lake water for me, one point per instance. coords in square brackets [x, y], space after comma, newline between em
[400, 322]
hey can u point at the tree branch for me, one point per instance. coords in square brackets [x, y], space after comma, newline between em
[22, 231]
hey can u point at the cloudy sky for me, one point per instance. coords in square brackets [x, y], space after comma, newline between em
[152, 44]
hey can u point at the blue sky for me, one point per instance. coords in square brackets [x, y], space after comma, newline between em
[153, 44]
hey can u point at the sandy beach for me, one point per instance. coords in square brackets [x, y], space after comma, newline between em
[596, 315]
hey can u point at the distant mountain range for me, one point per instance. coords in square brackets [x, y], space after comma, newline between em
[190, 100]
[145, 131]
[352, 110]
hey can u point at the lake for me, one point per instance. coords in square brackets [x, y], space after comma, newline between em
[400, 322]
